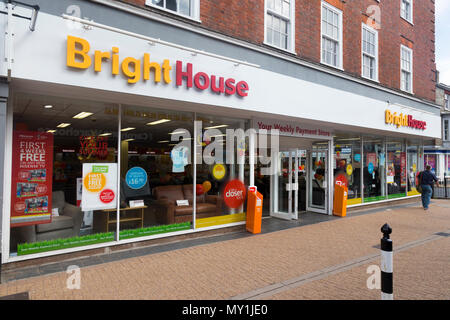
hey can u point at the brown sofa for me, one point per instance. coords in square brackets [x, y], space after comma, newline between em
[167, 211]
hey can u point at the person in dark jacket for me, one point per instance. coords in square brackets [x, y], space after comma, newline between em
[427, 179]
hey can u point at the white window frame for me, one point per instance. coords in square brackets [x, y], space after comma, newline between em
[291, 24]
[195, 10]
[340, 33]
[402, 47]
[446, 101]
[448, 130]
[370, 29]
[411, 5]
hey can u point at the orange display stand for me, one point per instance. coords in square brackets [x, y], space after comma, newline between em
[254, 212]
[340, 200]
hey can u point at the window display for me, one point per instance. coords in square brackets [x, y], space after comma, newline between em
[374, 160]
[396, 173]
[347, 166]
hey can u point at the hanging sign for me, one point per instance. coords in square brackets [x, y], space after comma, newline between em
[234, 194]
[99, 186]
[31, 182]
[219, 171]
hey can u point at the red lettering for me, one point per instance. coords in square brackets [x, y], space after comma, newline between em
[181, 74]
[231, 89]
[221, 88]
[198, 83]
[242, 88]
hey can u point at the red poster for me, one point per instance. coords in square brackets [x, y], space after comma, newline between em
[403, 169]
[31, 181]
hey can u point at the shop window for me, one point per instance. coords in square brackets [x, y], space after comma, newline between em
[331, 36]
[222, 172]
[430, 160]
[280, 23]
[64, 167]
[369, 53]
[406, 63]
[189, 8]
[396, 171]
[374, 172]
[413, 168]
[347, 166]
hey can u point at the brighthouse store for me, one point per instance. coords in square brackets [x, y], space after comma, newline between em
[113, 135]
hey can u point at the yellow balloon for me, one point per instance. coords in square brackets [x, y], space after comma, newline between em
[206, 186]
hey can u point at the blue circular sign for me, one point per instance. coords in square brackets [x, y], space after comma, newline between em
[357, 157]
[136, 178]
[370, 167]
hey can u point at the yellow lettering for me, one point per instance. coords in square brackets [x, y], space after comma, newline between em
[115, 61]
[134, 75]
[99, 56]
[151, 65]
[167, 68]
[72, 53]
[388, 117]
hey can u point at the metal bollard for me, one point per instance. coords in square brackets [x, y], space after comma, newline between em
[387, 292]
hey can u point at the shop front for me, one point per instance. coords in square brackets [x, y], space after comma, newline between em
[114, 137]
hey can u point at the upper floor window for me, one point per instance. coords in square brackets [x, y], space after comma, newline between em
[406, 10]
[369, 53]
[331, 36]
[446, 102]
[188, 8]
[446, 130]
[406, 66]
[279, 22]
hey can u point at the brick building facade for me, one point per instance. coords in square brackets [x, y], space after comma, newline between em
[244, 20]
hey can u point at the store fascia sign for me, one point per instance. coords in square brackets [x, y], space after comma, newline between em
[78, 57]
[290, 129]
[404, 120]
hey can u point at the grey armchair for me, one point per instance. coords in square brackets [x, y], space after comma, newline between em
[66, 225]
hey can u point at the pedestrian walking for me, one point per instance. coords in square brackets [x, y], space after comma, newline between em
[426, 180]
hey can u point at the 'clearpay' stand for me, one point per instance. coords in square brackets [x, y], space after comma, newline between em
[254, 210]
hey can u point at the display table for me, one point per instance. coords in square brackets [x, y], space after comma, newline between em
[103, 219]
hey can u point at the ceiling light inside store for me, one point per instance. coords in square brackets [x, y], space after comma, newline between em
[48, 106]
[179, 132]
[105, 134]
[51, 131]
[127, 129]
[163, 141]
[157, 122]
[128, 140]
[82, 115]
[63, 125]
[219, 126]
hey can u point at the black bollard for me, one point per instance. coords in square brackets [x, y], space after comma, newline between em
[386, 264]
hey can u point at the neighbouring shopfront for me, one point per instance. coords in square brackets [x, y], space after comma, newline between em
[113, 137]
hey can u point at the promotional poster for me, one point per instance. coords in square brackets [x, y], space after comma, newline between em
[31, 185]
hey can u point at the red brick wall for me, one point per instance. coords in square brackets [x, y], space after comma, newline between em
[244, 19]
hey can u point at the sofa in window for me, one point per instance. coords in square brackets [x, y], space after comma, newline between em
[66, 225]
[167, 211]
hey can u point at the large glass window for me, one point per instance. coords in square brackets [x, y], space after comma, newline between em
[374, 161]
[431, 160]
[446, 126]
[155, 171]
[347, 166]
[331, 36]
[222, 175]
[396, 171]
[413, 168]
[279, 23]
[61, 149]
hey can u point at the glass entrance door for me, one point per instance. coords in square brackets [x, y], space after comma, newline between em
[318, 181]
[285, 185]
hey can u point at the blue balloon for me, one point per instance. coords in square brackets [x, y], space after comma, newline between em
[370, 167]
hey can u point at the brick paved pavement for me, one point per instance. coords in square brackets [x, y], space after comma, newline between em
[231, 268]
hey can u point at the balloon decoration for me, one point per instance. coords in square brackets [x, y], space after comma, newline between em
[199, 190]
[206, 186]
